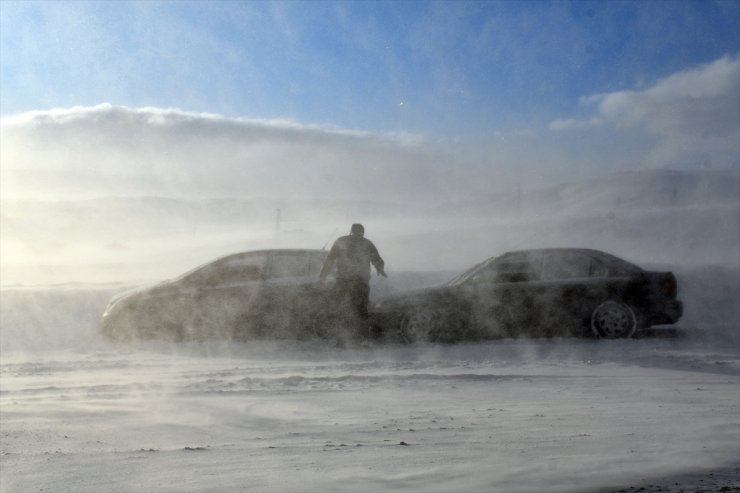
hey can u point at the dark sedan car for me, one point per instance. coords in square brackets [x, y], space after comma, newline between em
[268, 293]
[537, 292]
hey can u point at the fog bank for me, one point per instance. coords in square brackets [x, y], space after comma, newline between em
[670, 217]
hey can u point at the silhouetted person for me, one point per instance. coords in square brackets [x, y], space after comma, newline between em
[352, 256]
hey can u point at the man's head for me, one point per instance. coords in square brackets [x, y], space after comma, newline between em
[357, 229]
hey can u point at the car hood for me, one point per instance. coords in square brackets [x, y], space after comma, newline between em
[138, 291]
[415, 297]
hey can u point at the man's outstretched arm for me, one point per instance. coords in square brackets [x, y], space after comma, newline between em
[377, 261]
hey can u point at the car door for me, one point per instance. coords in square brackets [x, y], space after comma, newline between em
[291, 282]
[227, 296]
[571, 280]
[502, 295]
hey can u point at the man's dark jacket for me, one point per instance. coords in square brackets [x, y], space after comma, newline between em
[352, 255]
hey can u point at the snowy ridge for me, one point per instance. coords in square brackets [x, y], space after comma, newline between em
[647, 216]
[645, 190]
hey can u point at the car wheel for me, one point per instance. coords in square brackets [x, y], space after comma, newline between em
[419, 326]
[321, 325]
[613, 320]
[456, 328]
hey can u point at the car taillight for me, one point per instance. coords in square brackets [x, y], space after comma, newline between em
[669, 287]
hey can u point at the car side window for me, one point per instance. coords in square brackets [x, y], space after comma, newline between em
[234, 270]
[235, 274]
[513, 268]
[598, 269]
[285, 265]
[570, 265]
[565, 265]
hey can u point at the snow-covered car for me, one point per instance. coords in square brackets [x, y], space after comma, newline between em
[266, 293]
[537, 292]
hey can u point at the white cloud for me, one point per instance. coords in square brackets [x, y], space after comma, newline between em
[687, 119]
[704, 100]
[693, 115]
[113, 150]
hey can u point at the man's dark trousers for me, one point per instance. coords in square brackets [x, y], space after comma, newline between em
[355, 294]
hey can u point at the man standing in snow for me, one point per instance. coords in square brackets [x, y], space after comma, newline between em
[352, 256]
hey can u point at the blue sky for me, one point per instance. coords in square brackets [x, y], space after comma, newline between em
[460, 69]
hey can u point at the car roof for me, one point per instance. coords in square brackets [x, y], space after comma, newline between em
[279, 250]
[559, 250]
[601, 255]
[248, 252]
[269, 251]
[586, 251]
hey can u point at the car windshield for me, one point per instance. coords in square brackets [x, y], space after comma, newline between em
[510, 267]
[465, 275]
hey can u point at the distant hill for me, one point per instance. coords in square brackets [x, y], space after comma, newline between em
[622, 191]
[646, 216]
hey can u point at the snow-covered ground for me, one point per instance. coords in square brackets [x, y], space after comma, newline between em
[555, 415]
[82, 415]
[660, 412]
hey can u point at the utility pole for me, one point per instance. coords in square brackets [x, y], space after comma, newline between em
[277, 221]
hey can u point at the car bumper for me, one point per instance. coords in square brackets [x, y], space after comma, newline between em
[667, 312]
[385, 319]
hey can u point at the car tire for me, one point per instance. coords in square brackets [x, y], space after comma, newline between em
[419, 325]
[322, 325]
[456, 328]
[613, 320]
